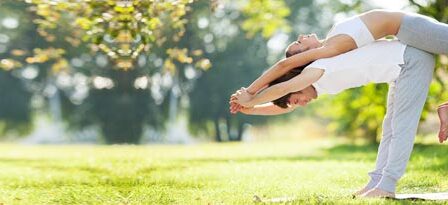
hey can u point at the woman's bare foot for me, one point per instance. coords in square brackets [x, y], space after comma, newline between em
[360, 192]
[378, 193]
[442, 111]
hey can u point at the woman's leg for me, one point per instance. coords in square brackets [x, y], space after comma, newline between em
[424, 33]
[383, 149]
[430, 35]
[411, 90]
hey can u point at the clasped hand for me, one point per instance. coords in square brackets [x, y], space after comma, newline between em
[241, 98]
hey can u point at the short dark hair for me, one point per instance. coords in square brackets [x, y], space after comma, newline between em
[284, 101]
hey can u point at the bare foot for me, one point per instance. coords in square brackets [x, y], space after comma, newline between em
[442, 110]
[360, 192]
[378, 193]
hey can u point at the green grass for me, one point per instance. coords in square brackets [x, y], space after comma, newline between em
[314, 172]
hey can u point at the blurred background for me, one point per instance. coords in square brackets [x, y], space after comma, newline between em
[139, 72]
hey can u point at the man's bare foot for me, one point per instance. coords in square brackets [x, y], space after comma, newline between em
[360, 192]
[378, 193]
[442, 111]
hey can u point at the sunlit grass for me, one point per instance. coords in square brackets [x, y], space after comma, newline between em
[319, 171]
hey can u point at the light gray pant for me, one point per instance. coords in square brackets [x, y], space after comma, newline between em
[405, 101]
[424, 33]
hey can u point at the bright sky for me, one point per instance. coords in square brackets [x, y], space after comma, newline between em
[390, 4]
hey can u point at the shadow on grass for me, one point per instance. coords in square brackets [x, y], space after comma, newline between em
[337, 153]
[343, 152]
[53, 164]
[162, 168]
[434, 153]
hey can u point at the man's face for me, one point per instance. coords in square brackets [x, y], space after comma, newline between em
[302, 97]
[303, 43]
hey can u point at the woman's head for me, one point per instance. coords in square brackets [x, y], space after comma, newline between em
[297, 98]
[283, 102]
[303, 43]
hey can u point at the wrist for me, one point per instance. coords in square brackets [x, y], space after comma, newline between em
[251, 91]
[246, 110]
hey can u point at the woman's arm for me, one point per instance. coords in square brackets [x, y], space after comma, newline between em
[285, 65]
[301, 81]
[266, 109]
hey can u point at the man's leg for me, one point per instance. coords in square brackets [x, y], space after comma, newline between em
[411, 90]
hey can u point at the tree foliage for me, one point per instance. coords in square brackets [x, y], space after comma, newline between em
[123, 30]
[56, 45]
[265, 16]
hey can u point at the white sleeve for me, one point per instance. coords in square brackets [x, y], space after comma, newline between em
[320, 64]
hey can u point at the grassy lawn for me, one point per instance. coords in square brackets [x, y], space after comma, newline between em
[230, 173]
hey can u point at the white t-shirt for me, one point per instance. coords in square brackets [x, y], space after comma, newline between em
[377, 62]
[355, 28]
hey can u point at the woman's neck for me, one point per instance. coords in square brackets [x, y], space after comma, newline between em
[314, 92]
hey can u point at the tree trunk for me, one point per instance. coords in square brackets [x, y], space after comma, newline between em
[373, 136]
[239, 137]
[229, 131]
[217, 130]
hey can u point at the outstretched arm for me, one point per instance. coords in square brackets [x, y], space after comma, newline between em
[301, 81]
[285, 65]
[264, 109]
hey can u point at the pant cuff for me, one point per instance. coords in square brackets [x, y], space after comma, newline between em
[374, 180]
[387, 184]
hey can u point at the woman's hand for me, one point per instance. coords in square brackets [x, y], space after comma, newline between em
[242, 97]
[235, 107]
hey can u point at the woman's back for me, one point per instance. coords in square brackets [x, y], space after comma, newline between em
[377, 62]
[382, 23]
[362, 29]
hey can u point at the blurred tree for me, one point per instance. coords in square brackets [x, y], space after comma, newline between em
[237, 59]
[267, 17]
[235, 66]
[15, 101]
[15, 113]
[119, 108]
[125, 32]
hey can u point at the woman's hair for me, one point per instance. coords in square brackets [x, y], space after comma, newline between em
[289, 53]
[283, 101]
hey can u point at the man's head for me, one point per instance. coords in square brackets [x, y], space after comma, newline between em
[303, 43]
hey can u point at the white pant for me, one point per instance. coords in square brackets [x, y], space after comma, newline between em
[405, 101]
